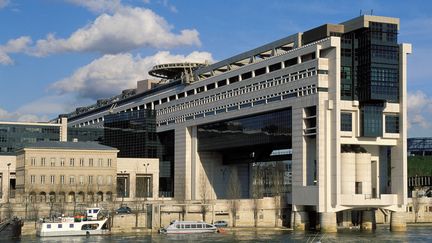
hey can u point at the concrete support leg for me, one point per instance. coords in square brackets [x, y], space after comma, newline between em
[398, 221]
[300, 220]
[328, 222]
[346, 219]
[368, 220]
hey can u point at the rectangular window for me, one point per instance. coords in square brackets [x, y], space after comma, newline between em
[82, 162]
[91, 162]
[109, 162]
[90, 180]
[346, 121]
[71, 180]
[32, 179]
[62, 179]
[42, 179]
[33, 161]
[52, 179]
[52, 162]
[43, 162]
[275, 67]
[62, 162]
[100, 180]
[72, 162]
[358, 188]
[392, 124]
[109, 180]
[81, 180]
[100, 162]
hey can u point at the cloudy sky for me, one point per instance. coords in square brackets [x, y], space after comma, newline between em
[56, 55]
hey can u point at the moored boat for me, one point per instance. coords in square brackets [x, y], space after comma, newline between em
[188, 227]
[70, 226]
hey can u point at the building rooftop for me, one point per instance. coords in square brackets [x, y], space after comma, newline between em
[69, 145]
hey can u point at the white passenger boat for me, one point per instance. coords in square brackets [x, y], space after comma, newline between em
[188, 227]
[69, 226]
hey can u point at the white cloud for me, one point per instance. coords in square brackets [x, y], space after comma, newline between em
[16, 116]
[4, 3]
[98, 6]
[13, 46]
[110, 74]
[168, 5]
[127, 29]
[419, 112]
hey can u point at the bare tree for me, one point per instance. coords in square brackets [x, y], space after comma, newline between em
[257, 191]
[278, 188]
[234, 193]
[204, 195]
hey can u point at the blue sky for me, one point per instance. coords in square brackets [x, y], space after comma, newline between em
[56, 55]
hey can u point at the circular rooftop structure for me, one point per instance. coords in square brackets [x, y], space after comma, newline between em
[174, 70]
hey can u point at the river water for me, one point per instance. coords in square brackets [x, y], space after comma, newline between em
[382, 234]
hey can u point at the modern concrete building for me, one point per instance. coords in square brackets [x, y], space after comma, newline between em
[329, 103]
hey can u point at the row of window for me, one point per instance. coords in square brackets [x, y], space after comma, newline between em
[241, 90]
[72, 180]
[391, 123]
[302, 91]
[71, 163]
[221, 83]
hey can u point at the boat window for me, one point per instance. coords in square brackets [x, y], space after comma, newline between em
[178, 226]
[89, 211]
[182, 226]
[71, 225]
[199, 226]
[48, 226]
[193, 226]
[95, 210]
[105, 226]
[187, 226]
[89, 227]
[208, 226]
[59, 226]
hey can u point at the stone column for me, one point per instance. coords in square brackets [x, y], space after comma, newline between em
[328, 222]
[300, 220]
[346, 218]
[398, 221]
[368, 220]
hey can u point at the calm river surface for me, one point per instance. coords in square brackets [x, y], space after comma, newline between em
[382, 234]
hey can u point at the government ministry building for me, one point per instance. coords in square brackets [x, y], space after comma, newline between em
[317, 119]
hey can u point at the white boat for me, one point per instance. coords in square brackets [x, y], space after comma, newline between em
[188, 227]
[69, 226]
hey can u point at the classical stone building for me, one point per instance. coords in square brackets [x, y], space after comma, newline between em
[66, 171]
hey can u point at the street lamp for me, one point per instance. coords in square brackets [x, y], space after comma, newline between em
[9, 189]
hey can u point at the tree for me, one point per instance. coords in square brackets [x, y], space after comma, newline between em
[234, 193]
[278, 188]
[204, 195]
[257, 190]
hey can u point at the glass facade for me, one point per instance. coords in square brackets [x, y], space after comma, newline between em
[14, 136]
[371, 119]
[346, 121]
[85, 134]
[392, 124]
[248, 139]
[370, 71]
[133, 133]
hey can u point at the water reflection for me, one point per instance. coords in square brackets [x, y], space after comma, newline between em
[382, 234]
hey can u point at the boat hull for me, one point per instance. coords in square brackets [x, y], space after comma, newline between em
[74, 233]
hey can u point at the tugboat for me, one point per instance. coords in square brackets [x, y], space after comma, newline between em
[11, 228]
[92, 224]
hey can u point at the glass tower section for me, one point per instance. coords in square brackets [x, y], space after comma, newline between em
[14, 136]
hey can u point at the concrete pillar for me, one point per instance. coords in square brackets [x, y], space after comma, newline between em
[328, 222]
[363, 171]
[398, 221]
[300, 220]
[346, 218]
[348, 175]
[368, 220]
